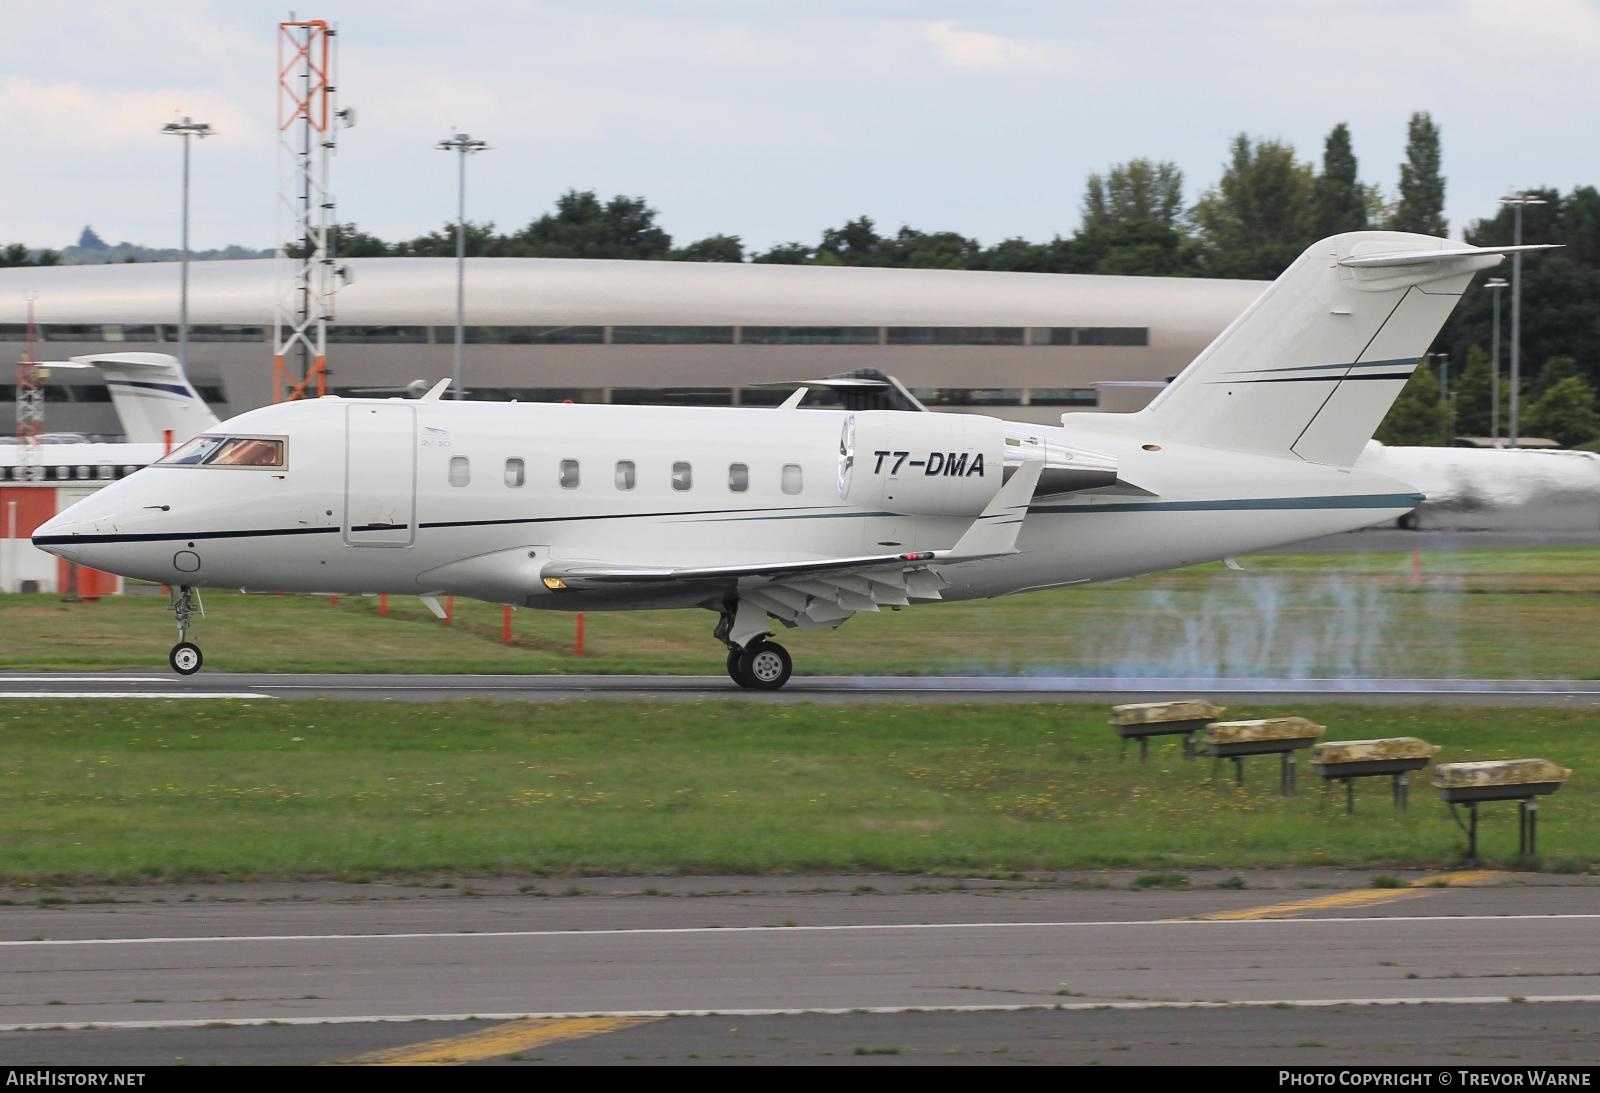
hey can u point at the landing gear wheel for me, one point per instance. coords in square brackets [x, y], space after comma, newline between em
[764, 666]
[733, 667]
[185, 658]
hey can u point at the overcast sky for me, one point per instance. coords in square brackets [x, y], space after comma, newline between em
[773, 119]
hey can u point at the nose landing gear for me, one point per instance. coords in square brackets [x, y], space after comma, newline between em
[185, 657]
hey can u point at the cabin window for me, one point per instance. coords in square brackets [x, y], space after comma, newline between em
[569, 474]
[514, 473]
[626, 475]
[793, 478]
[738, 477]
[460, 470]
[682, 477]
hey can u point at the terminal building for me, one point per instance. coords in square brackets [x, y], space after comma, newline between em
[1027, 346]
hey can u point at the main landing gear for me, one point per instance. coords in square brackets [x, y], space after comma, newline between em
[762, 665]
[753, 660]
[185, 657]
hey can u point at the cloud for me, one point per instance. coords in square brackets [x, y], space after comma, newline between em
[62, 114]
[973, 49]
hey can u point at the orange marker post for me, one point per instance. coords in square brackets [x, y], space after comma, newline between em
[505, 624]
[449, 609]
[383, 605]
[1416, 566]
[580, 634]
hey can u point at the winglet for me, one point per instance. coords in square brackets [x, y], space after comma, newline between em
[995, 530]
[436, 391]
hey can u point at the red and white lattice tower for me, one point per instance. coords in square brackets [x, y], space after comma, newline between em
[308, 124]
[30, 407]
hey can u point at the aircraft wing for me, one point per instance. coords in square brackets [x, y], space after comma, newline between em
[814, 592]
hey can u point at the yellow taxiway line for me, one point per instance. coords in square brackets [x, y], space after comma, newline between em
[496, 1041]
[1362, 897]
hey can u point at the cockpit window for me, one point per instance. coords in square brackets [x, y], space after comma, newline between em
[228, 451]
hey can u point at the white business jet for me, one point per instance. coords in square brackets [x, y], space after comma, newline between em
[799, 518]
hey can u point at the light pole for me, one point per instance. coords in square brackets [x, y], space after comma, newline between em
[463, 145]
[186, 128]
[1494, 285]
[1443, 360]
[1517, 201]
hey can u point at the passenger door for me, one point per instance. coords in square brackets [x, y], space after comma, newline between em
[380, 474]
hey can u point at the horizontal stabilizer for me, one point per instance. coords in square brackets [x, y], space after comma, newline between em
[1422, 257]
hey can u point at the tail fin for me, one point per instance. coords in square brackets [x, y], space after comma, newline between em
[151, 395]
[1313, 365]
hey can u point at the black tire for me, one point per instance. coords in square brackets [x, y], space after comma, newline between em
[765, 666]
[733, 667]
[185, 658]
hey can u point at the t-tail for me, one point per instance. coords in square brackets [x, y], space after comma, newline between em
[1310, 369]
[151, 395]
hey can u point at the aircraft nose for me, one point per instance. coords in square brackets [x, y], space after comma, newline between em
[59, 535]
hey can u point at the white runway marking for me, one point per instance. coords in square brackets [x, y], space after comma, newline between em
[132, 694]
[479, 1015]
[841, 928]
[87, 679]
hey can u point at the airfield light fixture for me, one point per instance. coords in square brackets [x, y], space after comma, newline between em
[186, 128]
[463, 145]
[1494, 285]
[1516, 201]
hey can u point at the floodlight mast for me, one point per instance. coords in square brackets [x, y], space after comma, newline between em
[1495, 285]
[464, 145]
[186, 128]
[1517, 201]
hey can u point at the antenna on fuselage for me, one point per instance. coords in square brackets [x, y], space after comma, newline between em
[436, 391]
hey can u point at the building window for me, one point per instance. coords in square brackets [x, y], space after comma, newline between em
[808, 335]
[738, 477]
[793, 480]
[968, 396]
[380, 335]
[626, 476]
[672, 396]
[460, 470]
[227, 333]
[1064, 396]
[1089, 335]
[672, 335]
[955, 335]
[514, 473]
[569, 474]
[521, 335]
[682, 477]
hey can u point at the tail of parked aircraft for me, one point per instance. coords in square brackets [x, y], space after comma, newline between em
[151, 395]
[1313, 365]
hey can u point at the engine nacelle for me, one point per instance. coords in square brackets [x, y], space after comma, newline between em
[921, 464]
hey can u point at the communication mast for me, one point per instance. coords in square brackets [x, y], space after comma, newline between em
[30, 407]
[308, 122]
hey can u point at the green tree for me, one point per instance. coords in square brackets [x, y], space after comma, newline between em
[18, 255]
[479, 241]
[583, 227]
[784, 254]
[912, 249]
[1340, 200]
[1472, 396]
[856, 244]
[1417, 416]
[1552, 372]
[350, 241]
[713, 248]
[1565, 412]
[1257, 219]
[1421, 204]
[1134, 192]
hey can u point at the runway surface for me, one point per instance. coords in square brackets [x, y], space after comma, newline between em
[1318, 967]
[552, 688]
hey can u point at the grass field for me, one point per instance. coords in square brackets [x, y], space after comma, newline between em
[1503, 614]
[117, 792]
